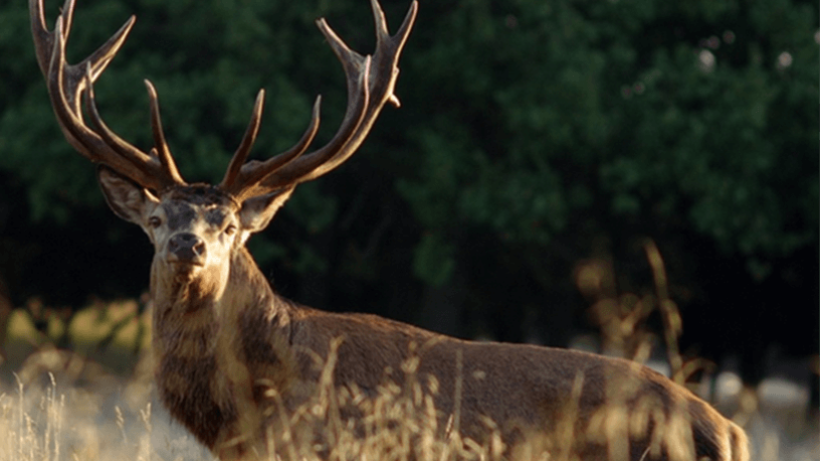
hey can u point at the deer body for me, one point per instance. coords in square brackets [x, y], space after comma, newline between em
[232, 357]
[211, 358]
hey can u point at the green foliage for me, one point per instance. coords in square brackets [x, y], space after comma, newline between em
[523, 119]
[649, 110]
[433, 260]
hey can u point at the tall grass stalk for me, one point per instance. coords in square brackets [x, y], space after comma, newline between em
[61, 407]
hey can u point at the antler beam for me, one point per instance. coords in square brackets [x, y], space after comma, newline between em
[67, 85]
[370, 84]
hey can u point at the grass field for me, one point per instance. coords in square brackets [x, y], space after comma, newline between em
[60, 405]
[93, 399]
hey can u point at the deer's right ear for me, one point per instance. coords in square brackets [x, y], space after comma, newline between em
[257, 212]
[128, 200]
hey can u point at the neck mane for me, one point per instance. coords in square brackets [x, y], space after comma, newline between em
[214, 343]
[198, 306]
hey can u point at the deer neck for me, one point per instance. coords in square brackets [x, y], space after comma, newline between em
[194, 311]
[211, 349]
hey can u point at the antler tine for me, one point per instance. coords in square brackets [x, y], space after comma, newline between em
[166, 160]
[88, 143]
[44, 41]
[128, 154]
[357, 69]
[241, 177]
[247, 142]
[252, 174]
[370, 83]
[66, 86]
[381, 81]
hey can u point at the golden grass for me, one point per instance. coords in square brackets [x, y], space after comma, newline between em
[91, 415]
[61, 405]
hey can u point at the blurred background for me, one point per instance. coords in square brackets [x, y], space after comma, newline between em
[539, 147]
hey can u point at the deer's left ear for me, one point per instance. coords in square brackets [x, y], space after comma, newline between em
[257, 212]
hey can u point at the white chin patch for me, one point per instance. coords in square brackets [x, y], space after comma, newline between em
[185, 272]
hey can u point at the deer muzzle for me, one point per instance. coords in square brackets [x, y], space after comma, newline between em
[186, 248]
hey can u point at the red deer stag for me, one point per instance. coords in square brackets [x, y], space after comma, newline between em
[232, 356]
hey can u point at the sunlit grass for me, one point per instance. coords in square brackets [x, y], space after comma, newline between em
[69, 404]
[98, 416]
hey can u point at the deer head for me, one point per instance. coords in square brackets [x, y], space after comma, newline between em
[196, 227]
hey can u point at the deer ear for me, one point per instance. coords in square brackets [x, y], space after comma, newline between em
[257, 212]
[128, 200]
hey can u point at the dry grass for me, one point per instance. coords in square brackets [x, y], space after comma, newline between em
[108, 417]
[64, 407]
[61, 405]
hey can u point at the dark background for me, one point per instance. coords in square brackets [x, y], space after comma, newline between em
[535, 138]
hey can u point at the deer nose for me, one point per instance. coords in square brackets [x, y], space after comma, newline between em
[187, 248]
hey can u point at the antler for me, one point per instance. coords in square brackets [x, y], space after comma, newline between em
[68, 83]
[370, 84]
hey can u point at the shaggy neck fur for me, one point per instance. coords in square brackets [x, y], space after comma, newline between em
[213, 343]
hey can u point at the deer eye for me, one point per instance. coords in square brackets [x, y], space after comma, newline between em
[231, 229]
[154, 222]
